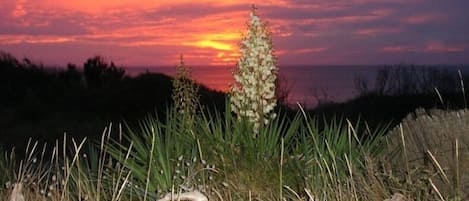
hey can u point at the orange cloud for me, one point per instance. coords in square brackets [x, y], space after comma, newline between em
[218, 41]
[19, 10]
[17, 39]
[211, 44]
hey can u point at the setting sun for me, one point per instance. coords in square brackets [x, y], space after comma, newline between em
[212, 44]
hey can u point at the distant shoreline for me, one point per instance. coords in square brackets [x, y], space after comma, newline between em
[308, 85]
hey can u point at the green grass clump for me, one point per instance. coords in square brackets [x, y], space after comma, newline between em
[161, 156]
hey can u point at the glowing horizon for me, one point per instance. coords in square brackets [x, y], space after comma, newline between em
[207, 32]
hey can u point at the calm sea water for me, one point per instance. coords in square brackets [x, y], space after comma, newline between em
[307, 84]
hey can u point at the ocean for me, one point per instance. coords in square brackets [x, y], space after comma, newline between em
[307, 85]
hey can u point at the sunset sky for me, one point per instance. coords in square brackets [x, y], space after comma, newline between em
[305, 32]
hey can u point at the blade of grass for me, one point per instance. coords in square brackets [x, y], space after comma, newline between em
[456, 175]
[461, 81]
[438, 166]
[153, 136]
[281, 170]
[404, 148]
[436, 190]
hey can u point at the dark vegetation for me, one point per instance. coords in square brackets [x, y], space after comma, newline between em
[399, 90]
[44, 103]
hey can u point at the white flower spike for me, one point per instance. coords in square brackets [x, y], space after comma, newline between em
[253, 92]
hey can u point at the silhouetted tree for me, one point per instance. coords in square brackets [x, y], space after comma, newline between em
[8, 61]
[382, 77]
[8, 66]
[72, 76]
[98, 72]
[361, 84]
[282, 89]
[409, 79]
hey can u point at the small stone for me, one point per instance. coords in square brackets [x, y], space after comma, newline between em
[190, 196]
[17, 194]
[224, 184]
[396, 197]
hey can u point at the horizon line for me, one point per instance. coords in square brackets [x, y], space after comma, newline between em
[285, 65]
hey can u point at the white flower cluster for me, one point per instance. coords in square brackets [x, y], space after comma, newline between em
[253, 93]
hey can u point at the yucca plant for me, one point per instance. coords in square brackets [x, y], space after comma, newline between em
[242, 157]
[185, 95]
[253, 93]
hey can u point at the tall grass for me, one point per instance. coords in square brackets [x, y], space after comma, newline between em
[249, 162]
[281, 161]
[293, 158]
[329, 159]
[161, 156]
[66, 171]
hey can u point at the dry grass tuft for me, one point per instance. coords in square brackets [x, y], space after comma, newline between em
[436, 141]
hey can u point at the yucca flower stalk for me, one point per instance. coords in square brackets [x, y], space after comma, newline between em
[253, 92]
[185, 93]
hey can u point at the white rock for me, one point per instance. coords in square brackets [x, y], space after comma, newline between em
[396, 197]
[16, 193]
[187, 196]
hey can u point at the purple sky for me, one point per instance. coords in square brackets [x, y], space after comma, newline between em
[305, 32]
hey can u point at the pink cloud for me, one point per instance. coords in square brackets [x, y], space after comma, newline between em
[423, 18]
[430, 47]
[19, 9]
[438, 47]
[397, 48]
[334, 21]
[309, 50]
[377, 31]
